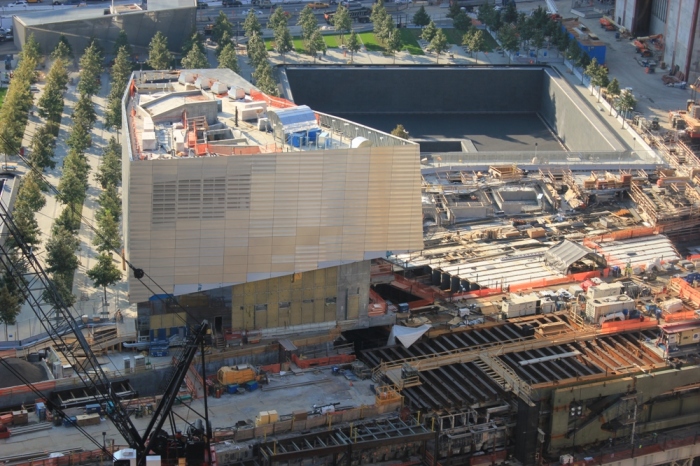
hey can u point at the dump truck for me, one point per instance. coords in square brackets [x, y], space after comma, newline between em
[229, 375]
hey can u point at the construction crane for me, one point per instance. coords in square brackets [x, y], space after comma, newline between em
[57, 320]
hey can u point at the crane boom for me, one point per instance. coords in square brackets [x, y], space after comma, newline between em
[55, 317]
[47, 304]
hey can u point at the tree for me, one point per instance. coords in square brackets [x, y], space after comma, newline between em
[50, 104]
[79, 138]
[69, 219]
[613, 91]
[421, 18]
[453, 10]
[31, 50]
[386, 30]
[107, 237]
[63, 50]
[599, 78]
[41, 153]
[225, 40]
[61, 284]
[194, 40]
[71, 188]
[462, 22]
[60, 252]
[195, 59]
[400, 132]
[10, 306]
[104, 273]
[353, 45]
[221, 26]
[573, 52]
[378, 17]
[478, 43]
[509, 39]
[229, 59]
[27, 225]
[77, 163]
[159, 57]
[626, 103]
[583, 60]
[251, 25]
[90, 70]
[277, 19]
[308, 22]
[394, 44]
[439, 44]
[487, 13]
[429, 32]
[561, 39]
[591, 71]
[110, 170]
[342, 22]
[256, 50]
[283, 41]
[84, 112]
[510, 13]
[265, 80]
[537, 42]
[316, 44]
[122, 40]
[30, 192]
[121, 70]
[110, 202]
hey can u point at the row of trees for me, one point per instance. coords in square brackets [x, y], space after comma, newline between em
[108, 238]
[14, 114]
[257, 53]
[63, 245]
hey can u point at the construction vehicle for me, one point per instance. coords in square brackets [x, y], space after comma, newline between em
[30, 278]
[240, 374]
[608, 24]
[688, 119]
[646, 46]
[646, 124]
[361, 15]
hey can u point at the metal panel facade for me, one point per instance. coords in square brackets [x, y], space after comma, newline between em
[226, 220]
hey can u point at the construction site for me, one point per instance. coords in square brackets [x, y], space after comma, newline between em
[548, 313]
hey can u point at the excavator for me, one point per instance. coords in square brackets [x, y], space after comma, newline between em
[59, 322]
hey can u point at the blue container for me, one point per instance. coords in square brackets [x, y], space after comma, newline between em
[251, 386]
[233, 388]
[70, 421]
[159, 352]
[93, 408]
[313, 134]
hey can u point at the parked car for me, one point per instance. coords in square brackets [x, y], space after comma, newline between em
[257, 12]
[202, 5]
[231, 3]
[17, 3]
[317, 5]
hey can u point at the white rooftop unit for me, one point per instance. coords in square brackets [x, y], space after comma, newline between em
[219, 88]
[292, 120]
[148, 124]
[518, 306]
[148, 140]
[360, 142]
[236, 93]
[250, 110]
[186, 78]
[604, 290]
[202, 83]
[597, 308]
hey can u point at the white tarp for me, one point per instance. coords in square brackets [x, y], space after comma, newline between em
[406, 335]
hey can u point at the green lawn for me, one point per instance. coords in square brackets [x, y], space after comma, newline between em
[408, 36]
[410, 42]
[3, 91]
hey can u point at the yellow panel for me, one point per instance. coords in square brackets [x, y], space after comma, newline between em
[296, 313]
[330, 312]
[156, 321]
[272, 314]
[319, 310]
[353, 306]
[307, 312]
[261, 319]
[236, 318]
[320, 278]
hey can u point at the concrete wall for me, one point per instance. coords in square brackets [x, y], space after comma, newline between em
[323, 295]
[416, 90]
[574, 122]
[140, 28]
